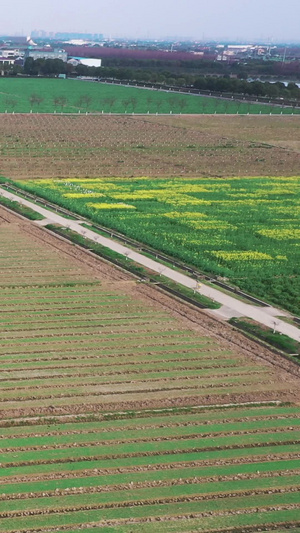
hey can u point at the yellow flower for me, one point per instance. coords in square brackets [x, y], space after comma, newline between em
[243, 256]
[111, 206]
[83, 195]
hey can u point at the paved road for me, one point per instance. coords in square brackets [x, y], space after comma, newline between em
[230, 306]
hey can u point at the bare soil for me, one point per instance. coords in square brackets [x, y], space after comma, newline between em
[42, 146]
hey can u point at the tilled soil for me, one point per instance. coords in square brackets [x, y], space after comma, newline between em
[99, 146]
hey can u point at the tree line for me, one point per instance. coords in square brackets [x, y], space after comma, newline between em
[224, 83]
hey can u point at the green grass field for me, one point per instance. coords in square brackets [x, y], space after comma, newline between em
[39, 96]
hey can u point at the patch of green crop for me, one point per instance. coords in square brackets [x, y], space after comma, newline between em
[242, 229]
[150, 433]
[148, 447]
[173, 474]
[167, 459]
[181, 508]
[278, 340]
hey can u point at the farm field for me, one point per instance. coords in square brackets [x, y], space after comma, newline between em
[37, 146]
[120, 411]
[243, 229]
[73, 96]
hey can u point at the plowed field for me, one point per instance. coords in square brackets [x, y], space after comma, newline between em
[35, 146]
[122, 411]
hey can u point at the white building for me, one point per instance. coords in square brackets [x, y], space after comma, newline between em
[47, 54]
[6, 61]
[87, 61]
[10, 52]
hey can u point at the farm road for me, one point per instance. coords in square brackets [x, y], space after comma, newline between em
[230, 306]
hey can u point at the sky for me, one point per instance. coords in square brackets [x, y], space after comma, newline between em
[242, 20]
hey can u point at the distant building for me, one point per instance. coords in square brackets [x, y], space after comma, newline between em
[44, 53]
[87, 61]
[9, 53]
[84, 36]
[5, 61]
[17, 40]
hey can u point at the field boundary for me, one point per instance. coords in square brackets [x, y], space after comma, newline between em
[134, 114]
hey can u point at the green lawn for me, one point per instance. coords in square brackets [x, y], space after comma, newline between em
[17, 95]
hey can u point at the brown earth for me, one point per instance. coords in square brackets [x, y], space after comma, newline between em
[41, 146]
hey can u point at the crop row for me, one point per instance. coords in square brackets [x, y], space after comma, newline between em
[154, 508]
[145, 395]
[222, 522]
[126, 376]
[177, 475]
[144, 419]
[166, 433]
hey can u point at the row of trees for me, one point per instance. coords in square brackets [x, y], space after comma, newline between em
[253, 88]
[85, 102]
[243, 69]
[182, 68]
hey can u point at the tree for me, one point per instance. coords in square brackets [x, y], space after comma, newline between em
[11, 102]
[30, 67]
[133, 102]
[82, 70]
[126, 103]
[60, 101]
[158, 104]
[85, 100]
[173, 102]
[35, 99]
[111, 102]
[149, 101]
[182, 103]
